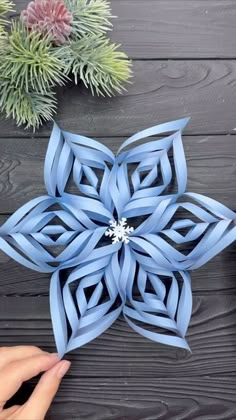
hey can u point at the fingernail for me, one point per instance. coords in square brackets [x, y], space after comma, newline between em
[54, 355]
[64, 367]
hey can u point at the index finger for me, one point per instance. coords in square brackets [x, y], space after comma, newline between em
[10, 354]
[15, 373]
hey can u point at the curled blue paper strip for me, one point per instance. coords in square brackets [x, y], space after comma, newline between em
[120, 244]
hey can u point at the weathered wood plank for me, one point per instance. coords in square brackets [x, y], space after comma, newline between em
[120, 352]
[141, 398]
[161, 91]
[173, 28]
[210, 159]
[158, 398]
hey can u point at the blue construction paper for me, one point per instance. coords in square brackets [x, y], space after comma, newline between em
[123, 250]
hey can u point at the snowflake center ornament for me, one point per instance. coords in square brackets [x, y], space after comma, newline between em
[119, 231]
[143, 273]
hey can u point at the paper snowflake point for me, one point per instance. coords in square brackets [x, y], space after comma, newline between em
[119, 231]
[143, 272]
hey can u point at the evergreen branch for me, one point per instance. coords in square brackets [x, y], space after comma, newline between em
[3, 37]
[97, 63]
[5, 7]
[30, 61]
[89, 16]
[27, 108]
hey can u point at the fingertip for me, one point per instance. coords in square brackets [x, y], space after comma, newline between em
[63, 368]
[58, 370]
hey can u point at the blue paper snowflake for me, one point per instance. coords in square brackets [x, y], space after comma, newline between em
[125, 242]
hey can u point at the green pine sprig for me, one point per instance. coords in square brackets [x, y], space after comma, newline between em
[98, 63]
[30, 61]
[31, 65]
[29, 69]
[89, 17]
[5, 7]
[27, 108]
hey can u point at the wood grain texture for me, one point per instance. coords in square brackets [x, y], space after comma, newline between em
[155, 399]
[120, 352]
[173, 28]
[142, 399]
[161, 91]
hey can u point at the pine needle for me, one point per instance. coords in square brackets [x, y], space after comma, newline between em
[3, 38]
[27, 108]
[89, 16]
[5, 7]
[30, 61]
[98, 64]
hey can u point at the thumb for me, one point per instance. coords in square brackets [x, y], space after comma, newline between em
[42, 396]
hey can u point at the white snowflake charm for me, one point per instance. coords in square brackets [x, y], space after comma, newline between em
[119, 231]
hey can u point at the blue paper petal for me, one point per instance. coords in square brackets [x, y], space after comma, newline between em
[31, 230]
[87, 316]
[168, 310]
[69, 153]
[160, 239]
[133, 197]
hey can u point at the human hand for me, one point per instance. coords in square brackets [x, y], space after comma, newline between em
[18, 364]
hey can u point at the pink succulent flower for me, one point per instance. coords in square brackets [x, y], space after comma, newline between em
[49, 17]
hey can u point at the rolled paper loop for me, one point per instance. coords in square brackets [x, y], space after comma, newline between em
[118, 245]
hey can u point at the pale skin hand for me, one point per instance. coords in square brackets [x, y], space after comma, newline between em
[18, 364]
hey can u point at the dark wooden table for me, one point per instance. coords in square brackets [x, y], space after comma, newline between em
[184, 54]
